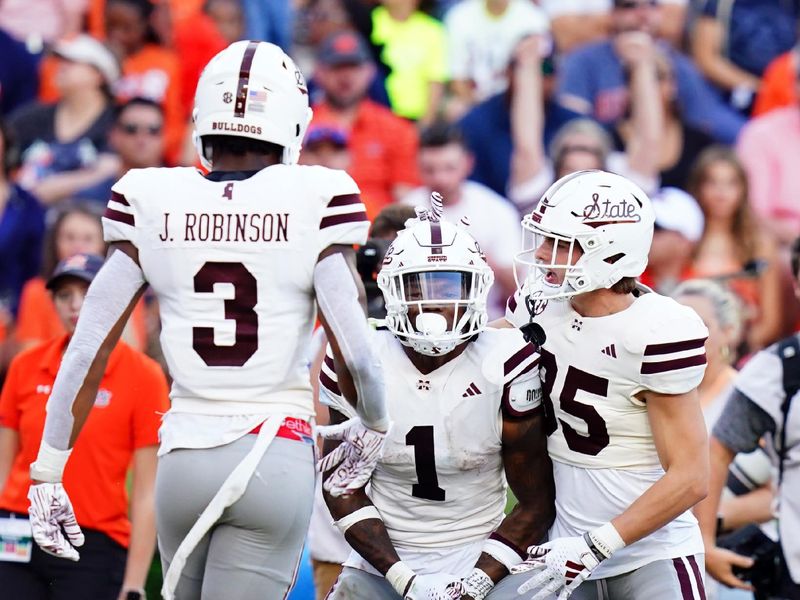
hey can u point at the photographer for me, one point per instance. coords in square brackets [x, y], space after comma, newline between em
[760, 405]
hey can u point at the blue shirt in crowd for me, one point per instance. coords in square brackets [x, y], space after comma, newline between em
[21, 235]
[19, 74]
[595, 73]
[755, 31]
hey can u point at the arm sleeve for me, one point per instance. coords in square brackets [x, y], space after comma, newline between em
[153, 403]
[344, 217]
[742, 423]
[761, 381]
[674, 355]
[9, 409]
[119, 218]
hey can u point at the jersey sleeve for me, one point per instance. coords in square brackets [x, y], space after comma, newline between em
[329, 393]
[516, 313]
[344, 217]
[674, 355]
[761, 381]
[119, 218]
[9, 407]
[522, 387]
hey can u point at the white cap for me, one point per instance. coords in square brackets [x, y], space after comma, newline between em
[678, 211]
[86, 49]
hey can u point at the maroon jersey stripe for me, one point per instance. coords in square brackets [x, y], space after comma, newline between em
[117, 197]
[671, 347]
[344, 200]
[244, 80]
[329, 383]
[329, 361]
[122, 217]
[333, 220]
[673, 365]
[513, 362]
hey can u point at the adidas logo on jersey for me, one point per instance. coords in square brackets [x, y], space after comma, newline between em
[610, 351]
[472, 390]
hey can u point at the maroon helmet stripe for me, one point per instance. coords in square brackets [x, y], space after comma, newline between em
[673, 365]
[513, 362]
[671, 347]
[244, 79]
[329, 383]
[353, 217]
[117, 197]
[436, 237]
[683, 578]
[698, 578]
[344, 200]
[121, 217]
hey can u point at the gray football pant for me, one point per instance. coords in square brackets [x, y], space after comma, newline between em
[669, 579]
[253, 550]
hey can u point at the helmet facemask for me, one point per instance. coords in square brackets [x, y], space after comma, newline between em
[433, 311]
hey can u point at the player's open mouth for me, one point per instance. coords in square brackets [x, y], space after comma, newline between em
[551, 277]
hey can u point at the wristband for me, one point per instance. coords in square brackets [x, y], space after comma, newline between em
[606, 539]
[477, 584]
[502, 553]
[362, 514]
[49, 464]
[399, 577]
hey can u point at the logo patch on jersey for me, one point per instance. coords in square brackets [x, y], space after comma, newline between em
[472, 390]
[423, 384]
[227, 97]
[103, 398]
[610, 351]
[43, 389]
[534, 303]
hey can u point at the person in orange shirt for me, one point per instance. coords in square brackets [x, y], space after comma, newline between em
[779, 83]
[120, 432]
[382, 145]
[149, 70]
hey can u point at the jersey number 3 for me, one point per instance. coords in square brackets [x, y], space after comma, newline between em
[421, 437]
[240, 308]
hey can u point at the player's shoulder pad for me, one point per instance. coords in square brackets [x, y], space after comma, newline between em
[508, 356]
[670, 338]
[137, 184]
[329, 183]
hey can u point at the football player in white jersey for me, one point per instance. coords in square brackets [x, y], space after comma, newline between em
[465, 406]
[619, 368]
[237, 259]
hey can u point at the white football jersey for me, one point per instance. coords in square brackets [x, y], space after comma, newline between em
[441, 482]
[600, 439]
[232, 263]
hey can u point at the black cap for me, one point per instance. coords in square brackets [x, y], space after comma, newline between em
[82, 266]
[343, 48]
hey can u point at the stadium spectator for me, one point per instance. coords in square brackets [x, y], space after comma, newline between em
[487, 127]
[228, 15]
[592, 78]
[382, 145]
[764, 401]
[768, 148]
[734, 246]
[733, 41]
[149, 70]
[481, 37]
[414, 50]
[121, 431]
[21, 232]
[19, 78]
[38, 21]
[63, 145]
[779, 83]
[444, 165]
[679, 143]
[326, 146]
[578, 22]
[269, 21]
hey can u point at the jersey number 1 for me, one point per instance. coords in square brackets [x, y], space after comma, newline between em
[421, 437]
[240, 308]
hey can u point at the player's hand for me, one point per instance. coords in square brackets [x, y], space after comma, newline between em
[558, 567]
[720, 563]
[354, 459]
[52, 517]
[441, 586]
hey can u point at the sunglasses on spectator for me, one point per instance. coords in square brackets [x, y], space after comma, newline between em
[631, 4]
[133, 129]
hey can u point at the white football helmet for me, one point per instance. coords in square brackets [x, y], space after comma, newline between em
[253, 90]
[600, 226]
[430, 266]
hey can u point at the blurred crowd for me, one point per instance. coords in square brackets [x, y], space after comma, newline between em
[485, 101]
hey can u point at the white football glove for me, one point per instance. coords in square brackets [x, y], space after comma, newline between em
[560, 567]
[50, 511]
[354, 459]
[440, 586]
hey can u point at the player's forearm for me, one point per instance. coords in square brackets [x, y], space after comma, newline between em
[677, 491]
